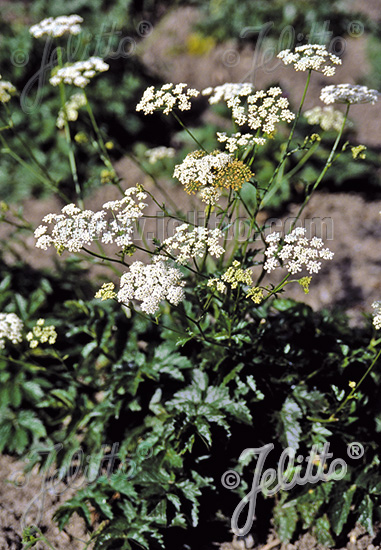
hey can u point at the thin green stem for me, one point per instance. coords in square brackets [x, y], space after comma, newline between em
[72, 162]
[27, 148]
[286, 150]
[22, 162]
[104, 258]
[350, 395]
[324, 171]
[188, 131]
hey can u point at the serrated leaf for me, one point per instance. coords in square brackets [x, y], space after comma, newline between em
[290, 415]
[308, 505]
[33, 391]
[340, 508]
[322, 531]
[286, 518]
[365, 514]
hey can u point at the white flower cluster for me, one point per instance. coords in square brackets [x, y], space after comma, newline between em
[348, 93]
[70, 110]
[6, 90]
[79, 73]
[41, 334]
[151, 284]
[237, 140]
[210, 195]
[194, 243]
[311, 57]
[228, 91]
[265, 109]
[297, 253]
[75, 228]
[377, 314]
[59, 26]
[166, 99]
[10, 329]
[199, 170]
[327, 117]
[158, 153]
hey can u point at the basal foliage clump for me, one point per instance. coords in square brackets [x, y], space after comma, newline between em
[188, 353]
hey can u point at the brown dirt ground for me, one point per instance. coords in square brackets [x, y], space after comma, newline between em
[21, 495]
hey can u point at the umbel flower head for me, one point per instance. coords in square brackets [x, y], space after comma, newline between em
[166, 98]
[228, 91]
[260, 111]
[6, 90]
[348, 93]
[41, 334]
[55, 27]
[151, 284]
[159, 153]
[80, 73]
[202, 170]
[10, 329]
[192, 244]
[70, 110]
[327, 117]
[75, 228]
[237, 140]
[297, 252]
[311, 57]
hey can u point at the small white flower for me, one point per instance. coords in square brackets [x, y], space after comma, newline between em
[158, 153]
[198, 169]
[237, 140]
[193, 244]
[311, 57]
[70, 110]
[348, 93]
[75, 228]
[228, 91]
[377, 314]
[10, 329]
[210, 195]
[297, 253]
[166, 99]
[6, 90]
[151, 284]
[327, 117]
[261, 110]
[79, 73]
[64, 24]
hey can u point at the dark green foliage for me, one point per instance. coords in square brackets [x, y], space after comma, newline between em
[180, 424]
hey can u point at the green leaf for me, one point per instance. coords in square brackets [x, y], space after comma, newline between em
[322, 531]
[308, 505]
[340, 508]
[286, 518]
[365, 514]
[33, 391]
[290, 415]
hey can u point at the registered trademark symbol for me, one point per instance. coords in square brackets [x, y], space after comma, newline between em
[355, 450]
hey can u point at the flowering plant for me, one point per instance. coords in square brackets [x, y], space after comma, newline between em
[181, 332]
